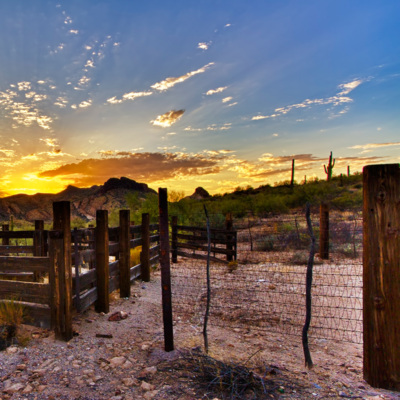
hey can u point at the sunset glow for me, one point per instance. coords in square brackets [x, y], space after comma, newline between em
[181, 95]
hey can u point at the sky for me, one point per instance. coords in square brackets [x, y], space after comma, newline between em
[181, 94]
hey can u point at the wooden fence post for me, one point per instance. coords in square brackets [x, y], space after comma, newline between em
[62, 264]
[165, 270]
[38, 244]
[145, 254]
[381, 287]
[124, 254]
[324, 231]
[102, 262]
[229, 227]
[6, 241]
[174, 239]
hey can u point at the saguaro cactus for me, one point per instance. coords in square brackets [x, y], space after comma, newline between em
[292, 178]
[328, 169]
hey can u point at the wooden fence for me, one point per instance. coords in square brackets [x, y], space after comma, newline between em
[61, 268]
[194, 239]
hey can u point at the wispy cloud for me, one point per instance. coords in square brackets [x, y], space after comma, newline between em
[167, 119]
[204, 45]
[212, 127]
[168, 83]
[128, 96]
[227, 99]
[339, 99]
[349, 86]
[218, 90]
[371, 146]
[22, 107]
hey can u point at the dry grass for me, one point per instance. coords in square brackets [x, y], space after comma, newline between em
[226, 380]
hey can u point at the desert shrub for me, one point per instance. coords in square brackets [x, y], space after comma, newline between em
[267, 243]
[299, 258]
[12, 315]
[135, 256]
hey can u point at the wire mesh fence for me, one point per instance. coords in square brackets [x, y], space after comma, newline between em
[265, 288]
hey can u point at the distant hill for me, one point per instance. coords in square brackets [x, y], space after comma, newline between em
[84, 201]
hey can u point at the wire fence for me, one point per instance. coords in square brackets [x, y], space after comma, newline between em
[265, 289]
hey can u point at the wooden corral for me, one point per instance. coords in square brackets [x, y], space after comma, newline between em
[61, 270]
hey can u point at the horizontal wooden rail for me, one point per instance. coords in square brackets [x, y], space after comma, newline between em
[17, 249]
[135, 243]
[199, 247]
[17, 234]
[201, 257]
[135, 229]
[24, 264]
[26, 291]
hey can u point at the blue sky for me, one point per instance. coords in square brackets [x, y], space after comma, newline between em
[183, 94]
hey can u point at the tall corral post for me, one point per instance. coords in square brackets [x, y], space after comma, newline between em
[124, 254]
[174, 239]
[145, 254]
[102, 260]
[38, 244]
[381, 308]
[229, 227]
[62, 264]
[6, 241]
[165, 270]
[324, 231]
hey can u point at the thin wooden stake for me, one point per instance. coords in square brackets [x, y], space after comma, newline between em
[208, 282]
[306, 349]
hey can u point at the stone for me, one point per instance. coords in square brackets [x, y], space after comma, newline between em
[129, 382]
[147, 386]
[151, 394]
[117, 361]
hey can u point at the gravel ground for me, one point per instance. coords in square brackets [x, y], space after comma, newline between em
[122, 360]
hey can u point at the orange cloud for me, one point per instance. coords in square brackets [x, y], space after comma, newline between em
[147, 167]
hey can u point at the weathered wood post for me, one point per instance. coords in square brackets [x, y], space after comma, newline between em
[38, 244]
[102, 261]
[324, 231]
[229, 237]
[5, 241]
[145, 253]
[174, 239]
[381, 288]
[124, 254]
[165, 270]
[62, 270]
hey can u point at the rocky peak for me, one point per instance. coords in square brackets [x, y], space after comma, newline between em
[200, 194]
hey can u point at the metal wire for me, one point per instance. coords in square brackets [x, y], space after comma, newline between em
[265, 289]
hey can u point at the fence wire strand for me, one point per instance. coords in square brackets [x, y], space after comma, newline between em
[265, 289]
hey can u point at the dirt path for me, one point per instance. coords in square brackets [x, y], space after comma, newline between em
[122, 360]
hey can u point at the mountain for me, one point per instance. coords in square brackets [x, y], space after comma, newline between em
[200, 194]
[84, 201]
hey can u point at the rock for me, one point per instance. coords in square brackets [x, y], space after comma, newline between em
[129, 382]
[151, 394]
[28, 389]
[104, 335]
[117, 361]
[13, 388]
[147, 386]
[118, 316]
[12, 349]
